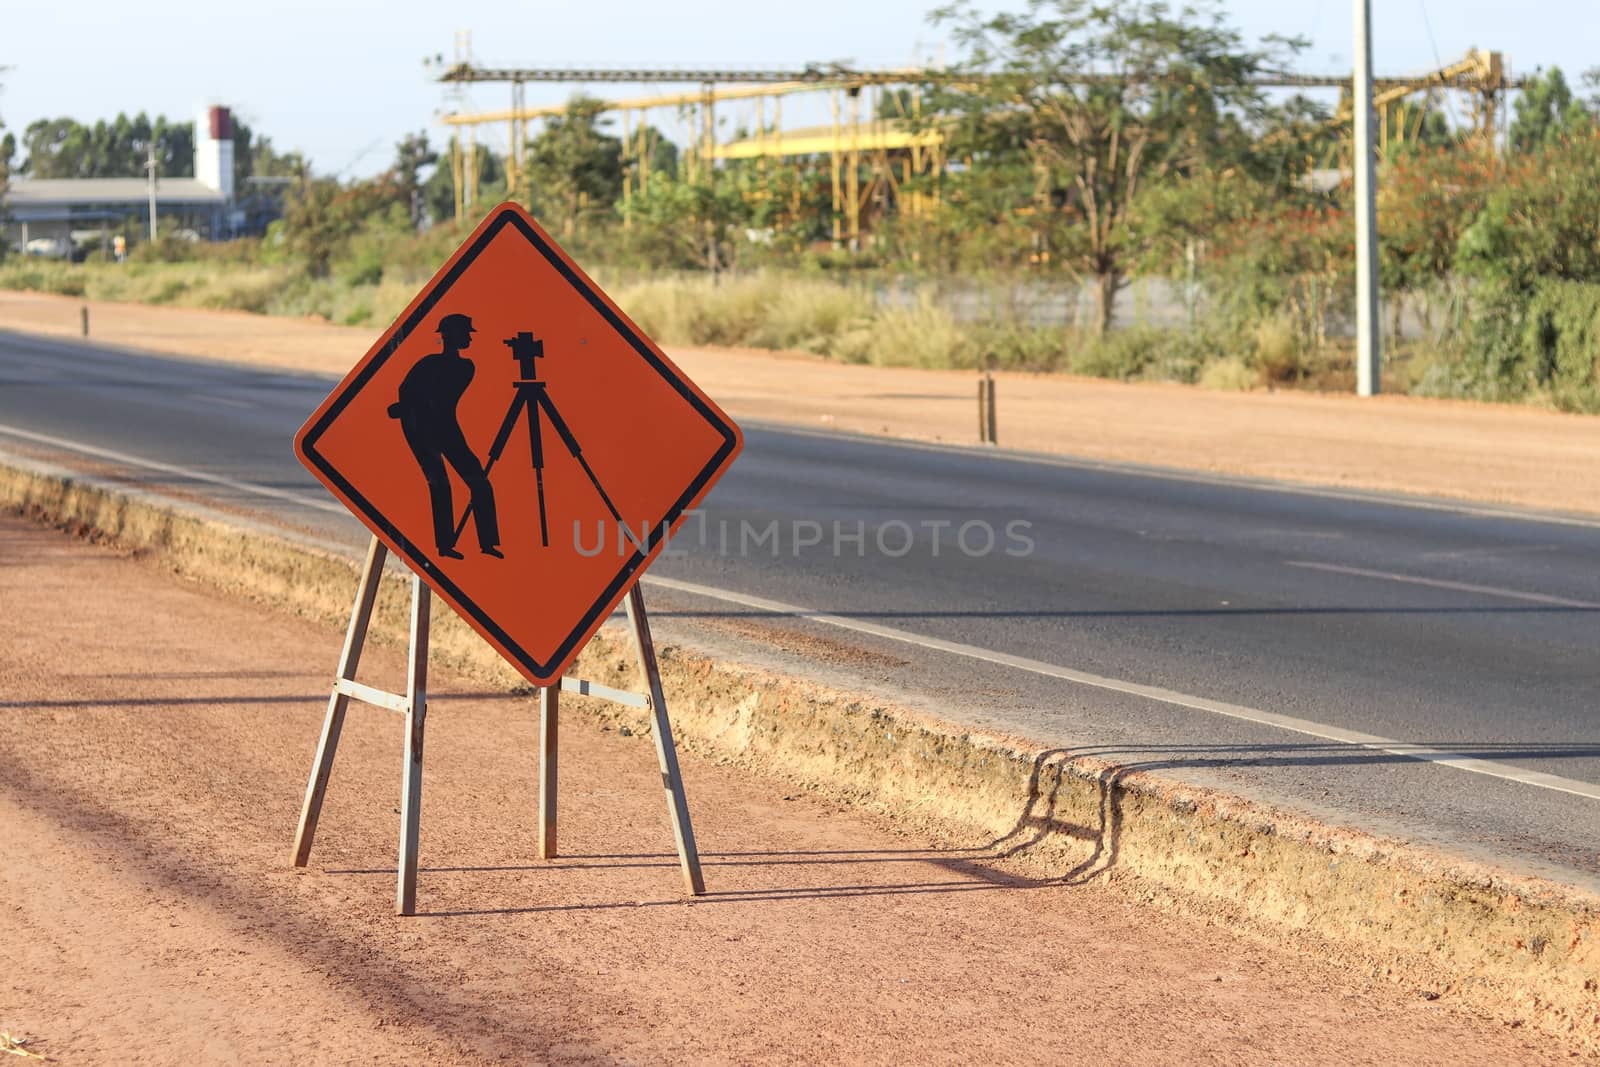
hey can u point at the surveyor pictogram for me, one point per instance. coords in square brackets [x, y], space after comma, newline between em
[429, 395]
[532, 397]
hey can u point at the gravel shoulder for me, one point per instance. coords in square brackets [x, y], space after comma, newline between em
[1482, 452]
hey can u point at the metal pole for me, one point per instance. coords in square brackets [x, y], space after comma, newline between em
[150, 171]
[549, 727]
[1368, 348]
[416, 704]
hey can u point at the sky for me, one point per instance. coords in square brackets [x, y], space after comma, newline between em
[343, 80]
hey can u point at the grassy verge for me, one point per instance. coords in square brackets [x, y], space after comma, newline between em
[763, 310]
[840, 320]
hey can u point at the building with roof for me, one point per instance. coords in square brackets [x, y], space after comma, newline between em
[53, 216]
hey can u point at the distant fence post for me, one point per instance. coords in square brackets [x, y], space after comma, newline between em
[85, 313]
[986, 409]
[994, 433]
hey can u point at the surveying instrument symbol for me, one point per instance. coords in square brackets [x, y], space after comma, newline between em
[532, 397]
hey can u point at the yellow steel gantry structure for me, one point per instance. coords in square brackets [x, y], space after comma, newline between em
[884, 143]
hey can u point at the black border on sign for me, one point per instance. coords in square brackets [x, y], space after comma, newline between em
[421, 563]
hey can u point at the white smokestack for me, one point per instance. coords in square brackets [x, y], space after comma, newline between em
[213, 149]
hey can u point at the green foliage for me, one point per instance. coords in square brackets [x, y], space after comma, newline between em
[1542, 220]
[1426, 201]
[1292, 262]
[66, 148]
[166, 248]
[574, 167]
[975, 226]
[1540, 344]
[255, 156]
[680, 223]
[1531, 259]
[1547, 113]
[322, 217]
[410, 156]
[1175, 92]
[1147, 353]
[1171, 219]
[438, 192]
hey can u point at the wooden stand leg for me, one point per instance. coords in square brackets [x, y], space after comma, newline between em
[549, 728]
[411, 776]
[666, 752]
[354, 639]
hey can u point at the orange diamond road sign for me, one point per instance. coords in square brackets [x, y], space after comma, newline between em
[520, 444]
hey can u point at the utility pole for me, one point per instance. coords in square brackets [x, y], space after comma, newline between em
[1368, 350]
[150, 171]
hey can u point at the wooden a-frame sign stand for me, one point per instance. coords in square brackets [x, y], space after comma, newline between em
[414, 706]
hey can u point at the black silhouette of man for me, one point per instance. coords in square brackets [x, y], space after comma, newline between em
[427, 414]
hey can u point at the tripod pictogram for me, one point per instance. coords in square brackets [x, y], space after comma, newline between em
[532, 397]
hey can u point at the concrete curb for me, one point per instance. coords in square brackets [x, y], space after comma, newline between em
[1525, 950]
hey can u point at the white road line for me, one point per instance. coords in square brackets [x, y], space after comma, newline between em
[217, 398]
[1439, 583]
[1491, 768]
[173, 469]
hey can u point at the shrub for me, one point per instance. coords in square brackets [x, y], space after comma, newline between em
[812, 316]
[1278, 353]
[168, 291]
[924, 334]
[1231, 374]
[1022, 347]
[1121, 354]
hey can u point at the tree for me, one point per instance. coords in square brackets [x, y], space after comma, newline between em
[1541, 220]
[1533, 255]
[1292, 136]
[439, 191]
[661, 150]
[575, 168]
[410, 156]
[1166, 93]
[683, 223]
[66, 148]
[254, 157]
[1547, 112]
[1427, 201]
[321, 216]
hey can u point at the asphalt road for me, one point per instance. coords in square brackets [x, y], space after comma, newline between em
[1410, 666]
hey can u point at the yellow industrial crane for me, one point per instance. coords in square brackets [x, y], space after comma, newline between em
[887, 150]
